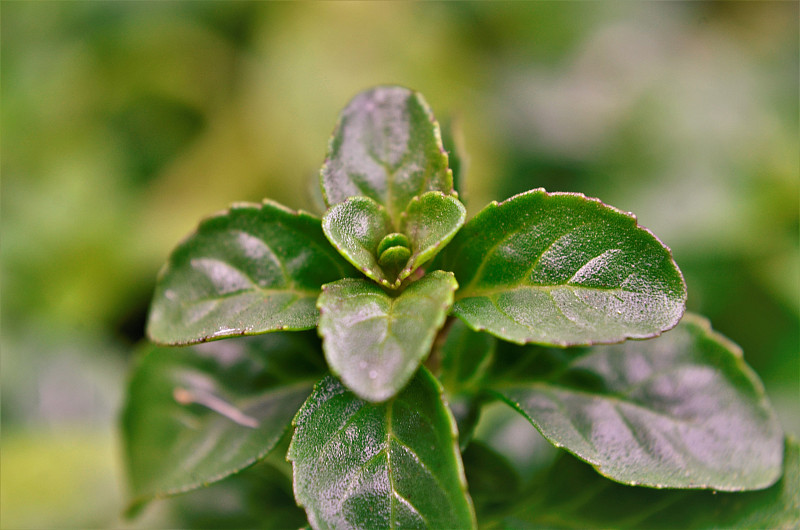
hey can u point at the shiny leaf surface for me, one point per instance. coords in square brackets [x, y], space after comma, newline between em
[430, 222]
[601, 503]
[196, 415]
[373, 341]
[252, 269]
[393, 465]
[386, 146]
[562, 269]
[681, 411]
[356, 228]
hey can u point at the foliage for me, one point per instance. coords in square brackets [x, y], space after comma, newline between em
[394, 278]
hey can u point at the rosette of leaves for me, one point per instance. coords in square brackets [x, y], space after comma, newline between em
[424, 317]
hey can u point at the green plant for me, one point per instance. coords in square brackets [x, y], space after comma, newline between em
[424, 320]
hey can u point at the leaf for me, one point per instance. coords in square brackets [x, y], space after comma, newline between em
[386, 146]
[572, 495]
[680, 411]
[363, 465]
[258, 497]
[493, 482]
[373, 341]
[356, 228]
[465, 359]
[466, 356]
[252, 269]
[564, 270]
[196, 415]
[430, 221]
[362, 231]
[458, 161]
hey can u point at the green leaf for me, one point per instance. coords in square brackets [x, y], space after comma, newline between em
[252, 269]
[386, 146]
[465, 358]
[374, 341]
[493, 481]
[458, 161]
[679, 411]
[362, 231]
[356, 228]
[430, 222]
[564, 270]
[196, 415]
[572, 495]
[259, 497]
[391, 465]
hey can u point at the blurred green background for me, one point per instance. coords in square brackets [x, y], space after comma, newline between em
[123, 123]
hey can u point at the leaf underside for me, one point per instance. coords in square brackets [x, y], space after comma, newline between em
[679, 411]
[199, 414]
[564, 270]
[392, 465]
[252, 269]
[373, 341]
[386, 146]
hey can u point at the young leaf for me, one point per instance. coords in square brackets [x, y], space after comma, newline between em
[252, 269]
[199, 414]
[561, 269]
[679, 411]
[361, 230]
[373, 341]
[430, 222]
[386, 146]
[572, 495]
[458, 161]
[356, 228]
[363, 465]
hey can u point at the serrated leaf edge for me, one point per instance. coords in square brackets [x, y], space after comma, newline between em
[204, 222]
[729, 346]
[437, 132]
[463, 293]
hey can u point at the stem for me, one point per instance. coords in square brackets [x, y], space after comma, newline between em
[434, 360]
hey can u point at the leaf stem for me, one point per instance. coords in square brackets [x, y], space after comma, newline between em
[434, 360]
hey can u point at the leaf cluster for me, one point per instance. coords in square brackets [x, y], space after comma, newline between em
[424, 318]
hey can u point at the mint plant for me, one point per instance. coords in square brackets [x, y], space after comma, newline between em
[424, 319]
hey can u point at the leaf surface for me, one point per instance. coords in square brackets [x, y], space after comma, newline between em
[386, 146]
[430, 222]
[390, 465]
[373, 341]
[196, 415]
[252, 269]
[564, 270]
[362, 231]
[572, 495]
[679, 411]
[356, 227]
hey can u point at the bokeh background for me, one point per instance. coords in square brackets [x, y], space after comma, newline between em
[123, 123]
